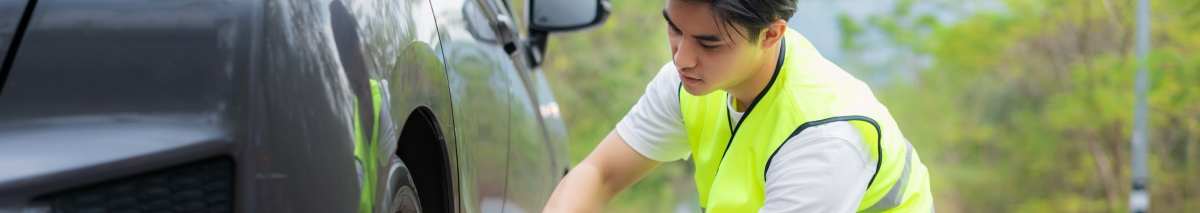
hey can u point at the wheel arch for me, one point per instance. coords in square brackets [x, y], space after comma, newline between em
[422, 146]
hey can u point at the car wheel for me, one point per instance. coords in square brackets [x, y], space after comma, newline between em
[402, 193]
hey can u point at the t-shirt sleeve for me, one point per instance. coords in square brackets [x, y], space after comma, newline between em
[823, 169]
[654, 126]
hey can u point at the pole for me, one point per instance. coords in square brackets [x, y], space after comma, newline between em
[1139, 200]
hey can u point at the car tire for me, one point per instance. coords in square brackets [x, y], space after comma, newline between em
[402, 192]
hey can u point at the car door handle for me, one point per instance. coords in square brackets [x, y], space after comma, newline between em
[508, 33]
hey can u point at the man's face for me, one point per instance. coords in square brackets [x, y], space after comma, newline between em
[709, 57]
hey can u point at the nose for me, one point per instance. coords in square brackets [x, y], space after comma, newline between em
[684, 57]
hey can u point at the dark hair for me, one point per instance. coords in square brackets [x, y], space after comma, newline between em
[754, 15]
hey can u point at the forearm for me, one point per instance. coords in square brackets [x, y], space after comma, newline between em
[610, 168]
[582, 190]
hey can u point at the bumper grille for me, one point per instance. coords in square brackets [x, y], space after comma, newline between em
[205, 186]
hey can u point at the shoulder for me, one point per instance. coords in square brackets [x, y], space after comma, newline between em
[817, 171]
[839, 140]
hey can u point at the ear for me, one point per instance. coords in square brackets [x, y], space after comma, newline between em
[773, 33]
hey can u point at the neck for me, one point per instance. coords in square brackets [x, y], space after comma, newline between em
[746, 92]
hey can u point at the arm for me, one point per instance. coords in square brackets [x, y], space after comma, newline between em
[652, 132]
[610, 168]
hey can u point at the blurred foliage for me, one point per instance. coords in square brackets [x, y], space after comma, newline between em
[1025, 108]
[1029, 109]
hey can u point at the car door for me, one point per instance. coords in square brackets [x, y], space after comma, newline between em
[477, 69]
[557, 142]
[532, 170]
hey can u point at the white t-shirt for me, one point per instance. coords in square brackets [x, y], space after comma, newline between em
[823, 169]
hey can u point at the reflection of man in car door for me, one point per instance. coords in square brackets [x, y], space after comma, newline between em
[772, 126]
[369, 106]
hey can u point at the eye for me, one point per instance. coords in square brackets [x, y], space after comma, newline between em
[707, 47]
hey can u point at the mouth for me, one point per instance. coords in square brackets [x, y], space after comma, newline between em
[689, 80]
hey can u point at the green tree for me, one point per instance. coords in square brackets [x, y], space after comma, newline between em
[1029, 108]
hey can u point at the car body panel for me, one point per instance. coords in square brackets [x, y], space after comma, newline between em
[82, 96]
[259, 71]
[38, 156]
[478, 74]
[533, 172]
[556, 129]
[398, 40]
[10, 17]
[298, 153]
[109, 89]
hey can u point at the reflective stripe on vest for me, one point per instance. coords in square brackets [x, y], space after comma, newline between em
[806, 90]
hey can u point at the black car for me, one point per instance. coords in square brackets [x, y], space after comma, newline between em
[281, 105]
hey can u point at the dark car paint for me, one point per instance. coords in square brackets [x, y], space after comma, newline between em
[103, 90]
[10, 17]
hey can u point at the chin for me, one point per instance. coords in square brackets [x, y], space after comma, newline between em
[698, 90]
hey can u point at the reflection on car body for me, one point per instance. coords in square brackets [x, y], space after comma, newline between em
[250, 106]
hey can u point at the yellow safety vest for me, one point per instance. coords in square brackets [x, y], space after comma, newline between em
[365, 148]
[806, 90]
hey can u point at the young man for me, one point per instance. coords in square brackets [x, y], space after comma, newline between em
[772, 126]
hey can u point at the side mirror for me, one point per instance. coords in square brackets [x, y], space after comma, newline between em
[567, 15]
[551, 16]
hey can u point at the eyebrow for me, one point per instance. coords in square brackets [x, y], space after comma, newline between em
[668, 18]
[707, 37]
[702, 37]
